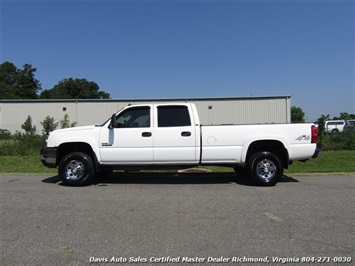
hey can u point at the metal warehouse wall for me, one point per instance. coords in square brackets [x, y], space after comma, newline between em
[212, 111]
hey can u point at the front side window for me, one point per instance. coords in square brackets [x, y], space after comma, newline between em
[134, 117]
[173, 116]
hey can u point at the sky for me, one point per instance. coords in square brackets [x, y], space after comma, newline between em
[186, 49]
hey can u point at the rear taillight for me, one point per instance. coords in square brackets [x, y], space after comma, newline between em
[314, 134]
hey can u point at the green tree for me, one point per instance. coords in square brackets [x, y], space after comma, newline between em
[48, 125]
[8, 73]
[18, 83]
[65, 123]
[27, 126]
[5, 134]
[75, 89]
[297, 115]
[321, 129]
[345, 116]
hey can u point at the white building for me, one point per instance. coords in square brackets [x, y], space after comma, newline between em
[212, 111]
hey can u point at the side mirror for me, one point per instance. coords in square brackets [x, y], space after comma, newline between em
[113, 121]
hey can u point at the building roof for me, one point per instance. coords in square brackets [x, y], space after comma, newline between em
[191, 99]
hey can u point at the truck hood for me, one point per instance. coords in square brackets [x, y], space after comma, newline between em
[73, 129]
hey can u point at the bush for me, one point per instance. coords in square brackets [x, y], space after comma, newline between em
[8, 147]
[28, 144]
[48, 125]
[339, 141]
[5, 134]
[27, 126]
[21, 144]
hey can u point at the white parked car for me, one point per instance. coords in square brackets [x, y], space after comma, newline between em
[334, 126]
[165, 136]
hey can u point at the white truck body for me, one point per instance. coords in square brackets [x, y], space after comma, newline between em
[158, 135]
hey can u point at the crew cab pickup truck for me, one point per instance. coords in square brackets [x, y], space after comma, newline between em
[166, 136]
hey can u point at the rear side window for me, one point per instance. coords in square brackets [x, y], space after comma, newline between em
[336, 123]
[173, 116]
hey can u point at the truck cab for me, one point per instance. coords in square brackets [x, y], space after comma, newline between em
[151, 134]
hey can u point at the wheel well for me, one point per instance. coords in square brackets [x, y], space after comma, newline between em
[67, 148]
[273, 146]
[334, 130]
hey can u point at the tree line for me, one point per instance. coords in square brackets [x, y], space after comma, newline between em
[17, 83]
[298, 116]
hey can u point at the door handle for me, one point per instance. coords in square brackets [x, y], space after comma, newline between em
[186, 134]
[146, 134]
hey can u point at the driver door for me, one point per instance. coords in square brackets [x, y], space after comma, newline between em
[131, 141]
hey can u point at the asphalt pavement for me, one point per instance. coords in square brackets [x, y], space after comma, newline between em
[178, 219]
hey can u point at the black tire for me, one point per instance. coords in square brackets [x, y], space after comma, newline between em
[265, 168]
[334, 131]
[76, 169]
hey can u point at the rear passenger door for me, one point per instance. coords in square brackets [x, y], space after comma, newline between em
[174, 135]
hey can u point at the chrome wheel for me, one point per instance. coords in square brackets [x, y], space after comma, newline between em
[266, 170]
[75, 170]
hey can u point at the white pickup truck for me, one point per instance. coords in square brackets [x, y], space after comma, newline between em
[166, 136]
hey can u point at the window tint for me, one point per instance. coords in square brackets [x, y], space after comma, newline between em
[134, 117]
[173, 116]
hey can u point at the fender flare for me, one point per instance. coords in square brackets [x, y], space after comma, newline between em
[248, 142]
[87, 141]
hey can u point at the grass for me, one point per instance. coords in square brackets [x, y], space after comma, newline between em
[23, 164]
[328, 162]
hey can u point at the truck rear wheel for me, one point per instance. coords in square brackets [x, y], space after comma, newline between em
[76, 169]
[265, 168]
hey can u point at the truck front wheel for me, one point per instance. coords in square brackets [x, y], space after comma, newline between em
[76, 169]
[265, 168]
